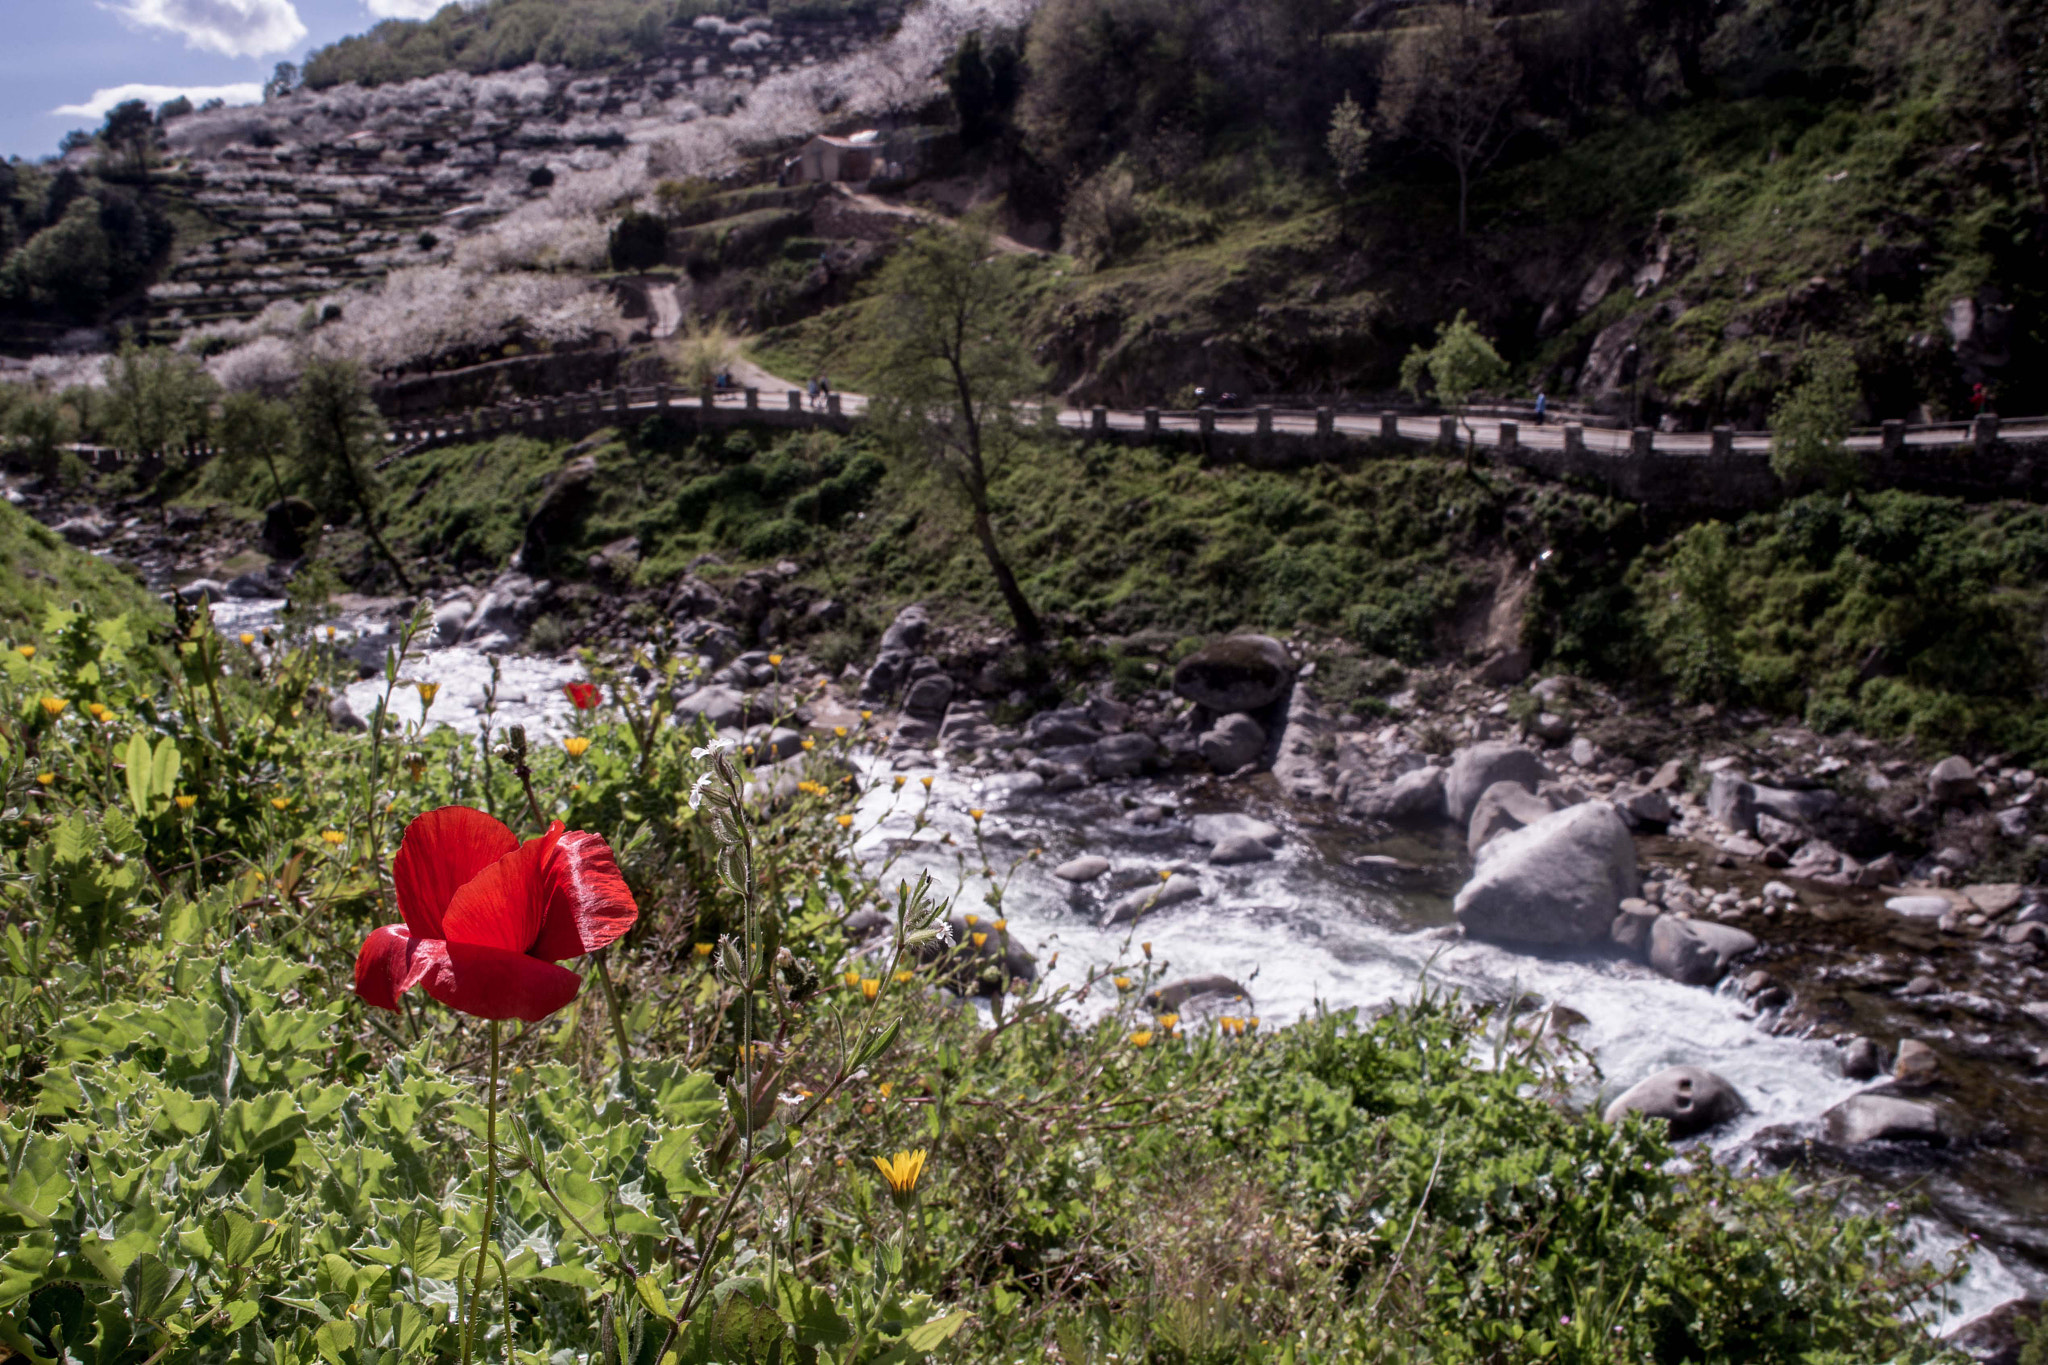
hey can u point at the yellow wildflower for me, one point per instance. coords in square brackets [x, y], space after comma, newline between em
[1168, 1022]
[865, 715]
[1141, 1038]
[1251, 1023]
[55, 705]
[900, 780]
[927, 783]
[851, 978]
[980, 939]
[1146, 947]
[334, 838]
[902, 1171]
[25, 651]
[975, 813]
[973, 920]
[247, 637]
[46, 779]
[839, 731]
[185, 802]
[775, 661]
[428, 691]
[280, 802]
[99, 711]
[845, 821]
[870, 987]
[808, 744]
[885, 1087]
[903, 976]
[702, 949]
[1165, 874]
[577, 745]
[1123, 983]
[1001, 925]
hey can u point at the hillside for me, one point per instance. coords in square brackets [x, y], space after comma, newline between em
[38, 571]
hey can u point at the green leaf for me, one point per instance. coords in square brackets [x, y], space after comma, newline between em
[673, 1160]
[138, 760]
[163, 778]
[931, 1335]
[253, 1126]
[810, 1313]
[649, 1290]
[878, 1044]
[241, 1313]
[335, 1340]
[148, 1285]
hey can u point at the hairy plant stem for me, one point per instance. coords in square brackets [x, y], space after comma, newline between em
[483, 1252]
[611, 1000]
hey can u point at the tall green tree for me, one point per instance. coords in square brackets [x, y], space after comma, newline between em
[1462, 364]
[254, 431]
[949, 371]
[340, 437]
[157, 399]
[1810, 421]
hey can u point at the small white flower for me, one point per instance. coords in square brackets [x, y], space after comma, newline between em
[715, 747]
[697, 790]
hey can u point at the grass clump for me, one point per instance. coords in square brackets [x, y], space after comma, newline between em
[39, 572]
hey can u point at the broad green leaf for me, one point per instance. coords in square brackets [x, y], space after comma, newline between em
[149, 1285]
[163, 779]
[930, 1336]
[673, 1159]
[139, 761]
[253, 1126]
[656, 1302]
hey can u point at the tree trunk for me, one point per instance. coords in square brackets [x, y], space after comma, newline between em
[1028, 628]
[361, 497]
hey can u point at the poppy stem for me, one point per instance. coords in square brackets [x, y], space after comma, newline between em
[611, 1000]
[483, 1255]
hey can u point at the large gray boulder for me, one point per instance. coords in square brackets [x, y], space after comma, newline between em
[1417, 795]
[1689, 1098]
[719, 705]
[1696, 952]
[1478, 767]
[900, 644]
[1085, 868]
[1732, 801]
[1146, 899]
[1124, 755]
[1068, 726]
[1557, 883]
[1502, 807]
[1232, 742]
[928, 697]
[1882, 1118]
[1237, 673]
[1195, 991]
[1796, 807]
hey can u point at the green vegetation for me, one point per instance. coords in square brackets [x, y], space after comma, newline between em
[1890, 612]
[38, 572]
[1460, 366]
[1810, 423]
[215, 1151]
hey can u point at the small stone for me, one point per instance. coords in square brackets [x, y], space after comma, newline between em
[1239, 848]
[1584, 752]
[1082, 869]
[1919, 907]
[1993, 898]
[1916, 1064]
[2033, 931]
[1778, 891]
[1921, 985]
[2012, 822]
[1631, 930]
[1550, 727]
[1861, 1059]
[1669, 777]
[1953, 780]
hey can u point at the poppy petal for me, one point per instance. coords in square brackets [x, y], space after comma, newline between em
[441, 850]
[491, 983]
[391, 963]
[501, 906]
[588, 905]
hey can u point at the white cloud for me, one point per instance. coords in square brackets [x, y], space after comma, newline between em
[247, 92]
[234, 28]
[404, 9]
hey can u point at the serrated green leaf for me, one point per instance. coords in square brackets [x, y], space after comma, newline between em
[652, 1297]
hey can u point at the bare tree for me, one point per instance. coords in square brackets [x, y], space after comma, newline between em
[951, 368]
[1452, 87]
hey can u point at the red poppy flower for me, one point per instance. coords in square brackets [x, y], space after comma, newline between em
[487, 917]
[584, 696]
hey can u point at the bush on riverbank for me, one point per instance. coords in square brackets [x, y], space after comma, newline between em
[215, 1151]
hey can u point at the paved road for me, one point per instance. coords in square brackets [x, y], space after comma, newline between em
[1423, 429]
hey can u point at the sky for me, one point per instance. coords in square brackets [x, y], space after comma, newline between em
[63, 63]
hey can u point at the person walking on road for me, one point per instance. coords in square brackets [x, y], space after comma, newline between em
[811, 392]
[1542, 404]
